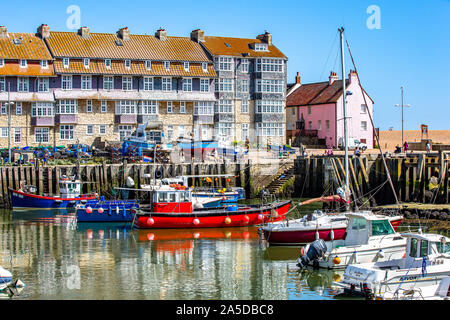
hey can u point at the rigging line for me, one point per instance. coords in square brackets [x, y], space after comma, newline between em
[329, 54]
[373, 126]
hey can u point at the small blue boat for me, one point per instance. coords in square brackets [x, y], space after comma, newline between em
[69, 196]
[106, 210]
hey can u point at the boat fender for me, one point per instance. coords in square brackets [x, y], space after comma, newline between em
[110, 211]
[150, 221]
[117, 210]
[227, 220]
[196, 221]
[315, 251]
[317, 235]
[100, 210]
[246, 219]
[124, 212]
[88, 210]
[332, 235]
[130, 182]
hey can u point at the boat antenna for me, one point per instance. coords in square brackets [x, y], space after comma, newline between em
[373, 127]
[344, 97]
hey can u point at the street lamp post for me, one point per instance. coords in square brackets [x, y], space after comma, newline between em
[402, 105]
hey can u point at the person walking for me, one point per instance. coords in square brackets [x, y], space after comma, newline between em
[428, 147]
[405, 147]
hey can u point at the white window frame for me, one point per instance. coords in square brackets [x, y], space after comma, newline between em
[2, 63]
[364, 125]
[363, 109]
[148, 107]
[19, 108]
[182, 106]
[224, 129]
[100, 127]
[86, 82]
[245, 131]
[108, 63]
[127, 83]
[148, 84]
[269, 65]
[224, 106]
[43, 132]
[89, 132]
[224, 63]
[23, 63]
[148, 64]
[124, 131]
[169, 107]
[4, 132]
[17, 133]
[245, 85]
[44, 64]
[89, 106]
[43, 85]
[204, 85]
[187, 84]
[66, 82]
[244, 65]
[66, 62]
[269, 86]
[3, 107]
[261, 47]
[270, 129]
[42, 109]
[224, 85]
[166, 84]
[67, 106]
[87, 63]
[108, 83]
[186, 66]
[167, 65]
[205, 66]
[269, 106]
[23, 84]
[205, 108]
[244, 106]
[126, 107]
[66, 132]
[2, 84]
[127, 63]
[103, 106]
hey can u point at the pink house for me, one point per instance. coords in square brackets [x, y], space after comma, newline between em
[316, 110]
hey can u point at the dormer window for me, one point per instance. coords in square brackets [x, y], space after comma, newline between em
[148, 64]
[186, 66]
[44, 64]
[86, 63]
[66, 62]
[261, 47]
[205, 66]
[23, 63]
[2, 63]
[127, 64]
[167, 65]
[108, 63]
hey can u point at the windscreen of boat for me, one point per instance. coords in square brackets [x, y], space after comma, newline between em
[442, 247]
[381, 227]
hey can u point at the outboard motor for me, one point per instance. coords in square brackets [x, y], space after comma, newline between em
[317, 250]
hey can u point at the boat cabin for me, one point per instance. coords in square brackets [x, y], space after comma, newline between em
[69, 187]
[171, 199]
[148, 133]
[421, 245]
[365, 224]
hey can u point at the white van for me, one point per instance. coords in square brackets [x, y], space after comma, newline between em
[352, 144]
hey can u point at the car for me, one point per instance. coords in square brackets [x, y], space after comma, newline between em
[352, 144]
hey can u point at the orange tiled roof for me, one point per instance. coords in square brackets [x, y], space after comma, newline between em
[137, 68]
[238, 46]
[31, 47]
[139, 47]
[12, 68]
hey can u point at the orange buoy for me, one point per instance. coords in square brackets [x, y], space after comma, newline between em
[336, 260]
[227, 220]
[100, 210]
[88, 210]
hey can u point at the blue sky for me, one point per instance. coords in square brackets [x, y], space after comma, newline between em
[411, 49]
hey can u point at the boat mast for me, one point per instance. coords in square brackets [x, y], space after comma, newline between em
[344, 96]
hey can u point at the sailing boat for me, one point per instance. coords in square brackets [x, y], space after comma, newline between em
[319, 225]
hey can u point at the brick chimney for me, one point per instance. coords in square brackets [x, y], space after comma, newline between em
[266, 37]
[84, 32]
[161, 34]
[353, 77]
[297, 79]
[44, 31]
[198, 35]
[124, 33]
[332, 78]
[3, 32]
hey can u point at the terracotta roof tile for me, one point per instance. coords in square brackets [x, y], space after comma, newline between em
[31, 47]
[238, 46]
[139, 47]
[137, 68]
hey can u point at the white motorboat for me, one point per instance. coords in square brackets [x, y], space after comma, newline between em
[425, 263]
[369, 238]
[6, 278]
[440, 291]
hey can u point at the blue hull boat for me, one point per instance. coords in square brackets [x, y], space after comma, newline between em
[107, 211]
[22, 200]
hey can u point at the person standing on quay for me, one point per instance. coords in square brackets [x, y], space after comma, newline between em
[405, 146]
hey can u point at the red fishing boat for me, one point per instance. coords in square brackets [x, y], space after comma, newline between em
[171, 207]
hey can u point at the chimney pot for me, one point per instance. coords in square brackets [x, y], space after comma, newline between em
[266, 37]
[297, 78]
[3, 32]
[332, 78]
[124, 33]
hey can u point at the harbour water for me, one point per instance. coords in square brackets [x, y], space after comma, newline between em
[59, 259]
